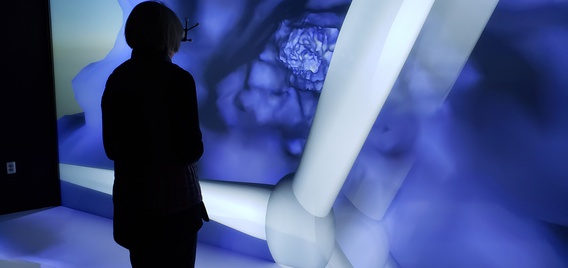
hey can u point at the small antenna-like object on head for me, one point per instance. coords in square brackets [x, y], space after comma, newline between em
[185, 39]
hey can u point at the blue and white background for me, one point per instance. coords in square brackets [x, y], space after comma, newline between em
[473, 174]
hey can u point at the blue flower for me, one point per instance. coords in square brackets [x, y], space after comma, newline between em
[306, 50]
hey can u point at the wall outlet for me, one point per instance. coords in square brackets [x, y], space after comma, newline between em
[11, 167]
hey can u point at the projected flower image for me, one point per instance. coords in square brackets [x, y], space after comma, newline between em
[306, 51]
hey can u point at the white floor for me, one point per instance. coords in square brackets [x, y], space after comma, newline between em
[64, 238]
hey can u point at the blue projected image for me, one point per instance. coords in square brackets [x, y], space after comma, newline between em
[464, 165]
[262, 93]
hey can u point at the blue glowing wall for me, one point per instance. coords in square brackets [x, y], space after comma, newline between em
[487, 183]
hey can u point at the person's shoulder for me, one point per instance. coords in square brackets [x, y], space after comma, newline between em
[182, 73]
[123, 67]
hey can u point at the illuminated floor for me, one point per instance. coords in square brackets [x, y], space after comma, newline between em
[64, 238]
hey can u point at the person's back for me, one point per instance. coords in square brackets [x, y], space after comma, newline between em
[151, 131]
[147, 103]
[143, 95]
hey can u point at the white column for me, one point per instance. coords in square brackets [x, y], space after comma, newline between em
[373, 45]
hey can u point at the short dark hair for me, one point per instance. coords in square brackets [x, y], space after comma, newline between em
[153, 26]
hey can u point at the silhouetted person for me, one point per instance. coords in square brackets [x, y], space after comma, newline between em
[151, 131]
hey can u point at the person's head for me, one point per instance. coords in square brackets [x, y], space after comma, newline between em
[153, 26]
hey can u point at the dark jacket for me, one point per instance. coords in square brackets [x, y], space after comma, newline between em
[151, 131]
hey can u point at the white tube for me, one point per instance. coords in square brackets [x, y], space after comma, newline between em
[238, 205]
[374, 42]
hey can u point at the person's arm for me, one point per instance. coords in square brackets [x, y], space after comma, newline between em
[187, 133]
[107, 124]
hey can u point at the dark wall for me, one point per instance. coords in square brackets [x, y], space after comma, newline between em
[28, 128]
